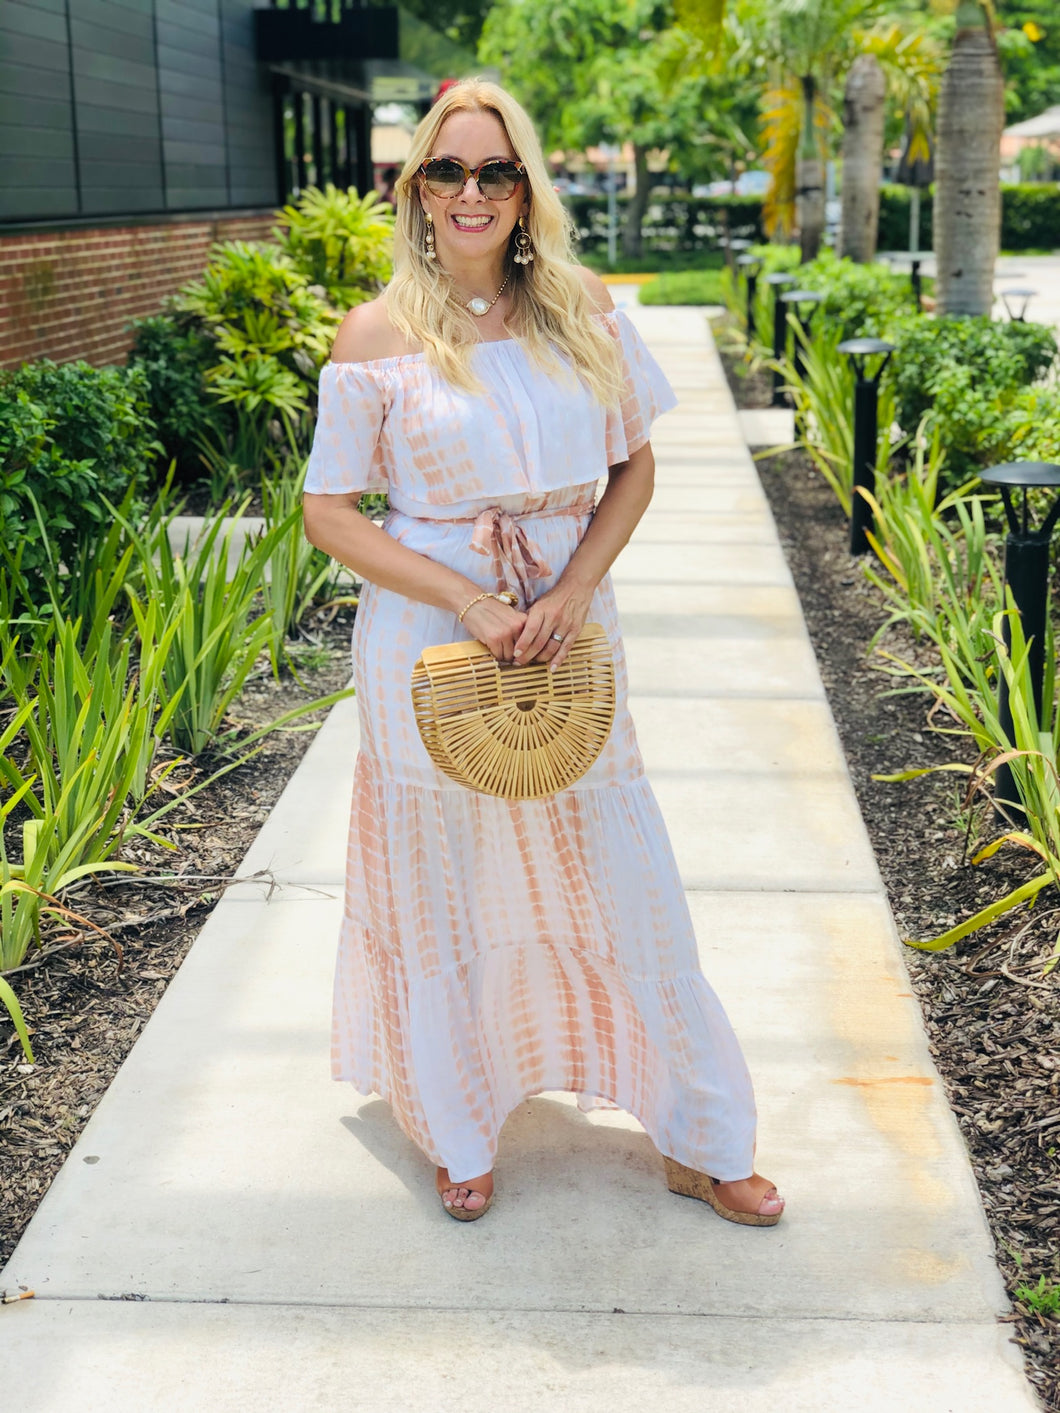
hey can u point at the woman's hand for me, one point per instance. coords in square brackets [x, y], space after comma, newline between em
[562, 611]
[498, 626]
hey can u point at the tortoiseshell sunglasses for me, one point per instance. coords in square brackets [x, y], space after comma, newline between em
[497, 180]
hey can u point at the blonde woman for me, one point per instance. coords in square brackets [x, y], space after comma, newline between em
[492, 949]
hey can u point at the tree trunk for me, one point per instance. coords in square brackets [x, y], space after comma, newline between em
[967, 168]
[863, 114]
[809, 176]
[638, 204]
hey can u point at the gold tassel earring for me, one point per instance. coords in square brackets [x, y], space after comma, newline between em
[429, 239]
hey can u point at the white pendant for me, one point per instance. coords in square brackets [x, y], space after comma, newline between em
[478, 305]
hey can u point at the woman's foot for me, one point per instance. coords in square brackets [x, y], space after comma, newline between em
[750, 1201]
[754, 1195]
[466, 1200]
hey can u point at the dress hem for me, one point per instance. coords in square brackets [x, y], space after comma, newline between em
[688, 1159]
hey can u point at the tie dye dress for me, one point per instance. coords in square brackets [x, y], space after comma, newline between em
[492, 949]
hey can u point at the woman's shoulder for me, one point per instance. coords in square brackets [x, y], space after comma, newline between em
[597, 291]
[366, 334]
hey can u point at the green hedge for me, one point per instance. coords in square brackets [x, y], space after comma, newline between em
[1030, 217]
[69, 434]
[892, 232]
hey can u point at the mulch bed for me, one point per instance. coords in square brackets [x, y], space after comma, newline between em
[87, 1003]
[992, 1015]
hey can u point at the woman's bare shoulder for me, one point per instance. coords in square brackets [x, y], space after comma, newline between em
[596, 290]
[367, 333]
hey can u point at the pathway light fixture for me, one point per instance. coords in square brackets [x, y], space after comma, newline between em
[866, 433]
[778, 281]
[752, 268]
[794, 300]
[914, 259]
[1020, 299]
[1027, 575]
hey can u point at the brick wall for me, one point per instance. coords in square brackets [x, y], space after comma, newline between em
[69, 294]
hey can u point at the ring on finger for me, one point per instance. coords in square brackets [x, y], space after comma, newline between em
[557, 637]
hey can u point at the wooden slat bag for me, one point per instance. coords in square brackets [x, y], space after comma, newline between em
[517, 732]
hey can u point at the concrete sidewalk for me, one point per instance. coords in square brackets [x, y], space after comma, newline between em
[235, 1232]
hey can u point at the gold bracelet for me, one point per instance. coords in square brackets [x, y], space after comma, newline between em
[506, 597]
[460, 615]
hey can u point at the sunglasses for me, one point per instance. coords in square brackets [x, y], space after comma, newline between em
[496, 180]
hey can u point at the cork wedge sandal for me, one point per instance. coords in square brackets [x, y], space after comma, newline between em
[462, 1214]
[686, 1182]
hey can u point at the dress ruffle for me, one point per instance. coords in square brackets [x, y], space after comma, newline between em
[396, 423]
[554, 951]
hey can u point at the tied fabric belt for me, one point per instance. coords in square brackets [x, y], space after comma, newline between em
[517, 562]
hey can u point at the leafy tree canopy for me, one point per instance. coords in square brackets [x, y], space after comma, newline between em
[459, 20]
[592, 71]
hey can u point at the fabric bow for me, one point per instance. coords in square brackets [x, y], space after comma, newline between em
[517, 561]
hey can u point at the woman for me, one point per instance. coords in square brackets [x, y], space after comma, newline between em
[492, 949]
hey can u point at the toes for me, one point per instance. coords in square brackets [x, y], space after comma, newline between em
[474, 1201]
[772, 1202]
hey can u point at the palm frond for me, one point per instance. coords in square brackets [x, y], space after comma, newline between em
[912, 64]
[781, 125]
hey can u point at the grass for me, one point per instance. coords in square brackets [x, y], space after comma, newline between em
[1043, 1299]
[685, 287]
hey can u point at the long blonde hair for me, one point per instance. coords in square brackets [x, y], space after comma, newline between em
[550, 308]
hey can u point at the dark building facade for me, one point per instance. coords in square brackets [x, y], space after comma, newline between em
[134, 133]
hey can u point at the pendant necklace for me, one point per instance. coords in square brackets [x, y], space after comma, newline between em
[480, 306]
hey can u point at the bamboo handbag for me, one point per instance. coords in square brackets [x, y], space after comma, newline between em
[517, 732]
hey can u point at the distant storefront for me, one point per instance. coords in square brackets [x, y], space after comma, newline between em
[132, 136]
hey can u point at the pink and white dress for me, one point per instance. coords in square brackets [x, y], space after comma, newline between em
[493, 949]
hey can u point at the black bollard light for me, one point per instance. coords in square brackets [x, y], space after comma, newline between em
[917, 283]
[751, 265]
[1024, 296]
[1027, 575]
[803, 304]
[866, 402]
[780, 331]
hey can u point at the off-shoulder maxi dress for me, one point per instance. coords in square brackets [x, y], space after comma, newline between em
[493, 949]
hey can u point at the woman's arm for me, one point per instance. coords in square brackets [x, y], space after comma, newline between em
[336, 526]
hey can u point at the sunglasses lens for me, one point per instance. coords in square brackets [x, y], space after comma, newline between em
[498, 180]
[444, 178]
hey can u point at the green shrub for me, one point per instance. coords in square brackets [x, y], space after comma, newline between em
[70, 434]
[865, 300]
[340, 242]
[971, 373]
[173, 353]
[234, 375]
[1034, 426]
[270, 332]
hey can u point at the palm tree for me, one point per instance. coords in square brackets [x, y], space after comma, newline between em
[967, 166]
[863, 115]
[808, 44]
